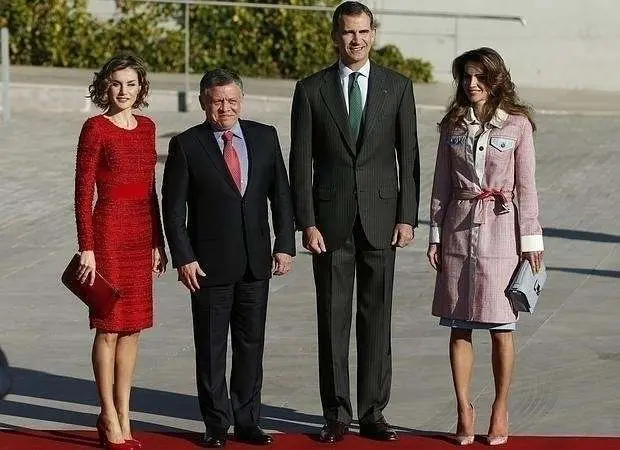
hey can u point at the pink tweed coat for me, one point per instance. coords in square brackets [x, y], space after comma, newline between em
[484, 212]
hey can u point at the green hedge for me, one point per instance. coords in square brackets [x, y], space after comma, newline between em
[253, 42]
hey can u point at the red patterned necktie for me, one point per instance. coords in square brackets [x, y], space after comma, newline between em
[232, 159]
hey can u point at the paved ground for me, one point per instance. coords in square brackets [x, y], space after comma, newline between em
[566, 380]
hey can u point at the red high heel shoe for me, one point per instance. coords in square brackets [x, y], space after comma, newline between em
[136, 444]
[103, 439]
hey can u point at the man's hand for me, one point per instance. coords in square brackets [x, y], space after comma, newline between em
[434, 256]
[188, 275]
[313, 240]
[282, 263]
[403, 235]
[535, 259]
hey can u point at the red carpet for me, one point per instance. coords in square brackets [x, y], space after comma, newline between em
[53, 440]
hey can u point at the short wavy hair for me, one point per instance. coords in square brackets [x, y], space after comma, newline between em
[98, 90]
[502, 91]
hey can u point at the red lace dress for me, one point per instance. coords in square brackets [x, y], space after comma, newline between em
[124, 225]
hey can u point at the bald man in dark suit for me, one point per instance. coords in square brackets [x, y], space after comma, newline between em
[355, 177]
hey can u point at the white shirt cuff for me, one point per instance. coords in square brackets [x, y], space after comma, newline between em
[533, 243]
[435, 235]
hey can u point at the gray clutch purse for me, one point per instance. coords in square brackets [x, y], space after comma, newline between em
[525, 287]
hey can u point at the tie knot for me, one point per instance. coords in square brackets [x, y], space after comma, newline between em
[227, 136]
[354, 76]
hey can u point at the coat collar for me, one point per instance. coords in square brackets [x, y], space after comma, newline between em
[236, 130]
[375, 100]
[499, 117]
[344, 71]
[331, 92]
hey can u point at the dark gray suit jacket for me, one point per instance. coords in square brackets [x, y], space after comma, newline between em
[334, 178]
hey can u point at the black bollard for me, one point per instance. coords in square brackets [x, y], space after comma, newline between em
[182, 97]
[5, 376]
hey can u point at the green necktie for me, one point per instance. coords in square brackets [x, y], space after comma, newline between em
[355, 105]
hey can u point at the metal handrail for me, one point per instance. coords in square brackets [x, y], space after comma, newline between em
[396, 12]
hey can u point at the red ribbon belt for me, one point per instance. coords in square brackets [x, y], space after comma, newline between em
[483, 198]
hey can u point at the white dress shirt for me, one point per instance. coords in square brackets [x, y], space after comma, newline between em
[362, 80]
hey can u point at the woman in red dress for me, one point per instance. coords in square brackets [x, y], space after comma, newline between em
[121, 237]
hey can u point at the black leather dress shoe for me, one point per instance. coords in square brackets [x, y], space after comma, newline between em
[253, 435]
[333, 432]
[215, 438]
[380, 431]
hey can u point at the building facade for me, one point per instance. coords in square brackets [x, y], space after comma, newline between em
[565, 43]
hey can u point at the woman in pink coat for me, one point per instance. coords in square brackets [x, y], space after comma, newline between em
[484, 219]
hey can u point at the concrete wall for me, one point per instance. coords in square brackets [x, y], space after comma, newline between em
[102, 8]
[565, 44]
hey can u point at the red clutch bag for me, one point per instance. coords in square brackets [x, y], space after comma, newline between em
[100, 297]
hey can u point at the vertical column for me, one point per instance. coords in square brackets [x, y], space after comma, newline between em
[184, 96]
[6, 82]
[456, 36]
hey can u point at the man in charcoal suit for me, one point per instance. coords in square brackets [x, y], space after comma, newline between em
[355, 179]
[221, 175]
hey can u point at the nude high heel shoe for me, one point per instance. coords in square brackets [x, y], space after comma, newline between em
[497, 440]
[466, 439]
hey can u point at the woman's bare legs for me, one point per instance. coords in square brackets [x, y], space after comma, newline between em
[462, 363]
[103, 357]
[126, 353]
[502, 358]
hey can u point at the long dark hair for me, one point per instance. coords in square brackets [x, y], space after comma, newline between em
[502, 91]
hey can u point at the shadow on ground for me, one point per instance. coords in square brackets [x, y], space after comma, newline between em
[47, 386]
[594, 272]
[580, 235]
